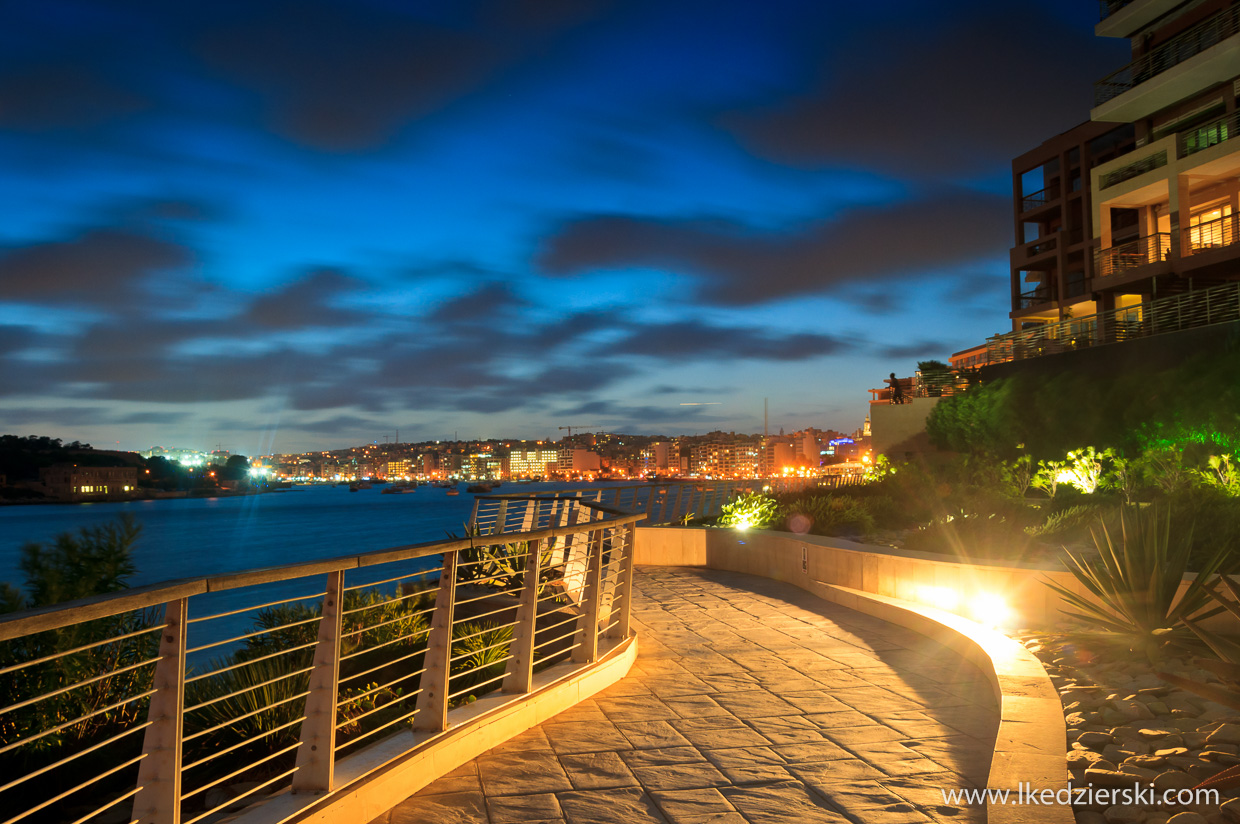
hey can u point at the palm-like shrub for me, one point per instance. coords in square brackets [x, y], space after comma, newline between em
[1136, 579]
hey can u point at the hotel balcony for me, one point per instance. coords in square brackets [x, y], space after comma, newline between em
[1035, 298]
[1124, 18]
[1035, 201]
[1134, 254]
[1198, 58]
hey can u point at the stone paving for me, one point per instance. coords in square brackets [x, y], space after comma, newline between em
[751, 701]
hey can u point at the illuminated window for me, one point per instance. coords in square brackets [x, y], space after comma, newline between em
[1210, 228]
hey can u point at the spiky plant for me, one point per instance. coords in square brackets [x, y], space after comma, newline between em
[1135, 581]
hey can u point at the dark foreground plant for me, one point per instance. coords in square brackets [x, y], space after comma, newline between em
[1135, 581]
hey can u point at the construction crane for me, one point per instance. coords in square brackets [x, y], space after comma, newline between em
[579, 428]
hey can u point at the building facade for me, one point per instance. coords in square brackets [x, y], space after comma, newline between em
[68, 482]
[1127, 226]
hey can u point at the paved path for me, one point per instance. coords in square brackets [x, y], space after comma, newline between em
[751, 701]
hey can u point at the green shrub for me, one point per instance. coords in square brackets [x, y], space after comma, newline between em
[828, 514]
[753, 509]
[1070, 521]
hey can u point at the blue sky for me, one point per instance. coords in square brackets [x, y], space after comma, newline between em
[292, 226]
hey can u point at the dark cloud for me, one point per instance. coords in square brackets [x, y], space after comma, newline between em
[346, 77]
[693, 340]
[59, 415]
[62, 96]
[977, 288]
[100, 267]
[485, 305]
[638, 418]
[924, 349]
[738, 265]
[153, 417]
[932, 93]
[306, 303]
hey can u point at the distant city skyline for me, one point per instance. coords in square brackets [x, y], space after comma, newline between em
[291, 226]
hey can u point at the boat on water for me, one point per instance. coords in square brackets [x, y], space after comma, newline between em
[479, 488]
[354, 487]
[399, 489]
[454, 491]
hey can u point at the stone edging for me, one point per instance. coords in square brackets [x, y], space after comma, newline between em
[1029, 747]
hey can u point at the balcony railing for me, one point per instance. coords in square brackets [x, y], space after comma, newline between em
[1175, 51]
[1213, 234]
[662, 502]
[1135, 169]
[1039, 198]
[1108, 7]
[281, 679]
[1041, 246]
[1205, 307]
[1210, 134]
[1035, 297]
[1126, 256]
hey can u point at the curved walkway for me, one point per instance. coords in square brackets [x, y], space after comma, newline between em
[751, 701]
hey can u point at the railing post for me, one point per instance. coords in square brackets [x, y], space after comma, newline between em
[501, 517]
[519, 676]
[432, 708]
[316, 755]
[585, 642]
[680, 488]
[576, 557]
[159, 776]
[667, 498]
[622, 595]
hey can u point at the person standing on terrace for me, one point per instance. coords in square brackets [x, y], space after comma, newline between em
[897, 392]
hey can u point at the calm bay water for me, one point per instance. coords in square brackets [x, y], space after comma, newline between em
[191, 537]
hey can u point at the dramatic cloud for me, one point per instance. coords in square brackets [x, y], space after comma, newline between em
[306, 303]
[692, 340]
[918, 350]
[348, 77]
[738, 266]
[44, 98]
[101, 267]
[933, 93]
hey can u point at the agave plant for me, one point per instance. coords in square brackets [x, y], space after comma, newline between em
[1135, 582]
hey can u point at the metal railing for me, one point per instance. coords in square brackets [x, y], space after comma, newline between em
[175, 703]
[1149, 163]
[1193, 140]
[1204, 307]
[661, 502]
[1133, 253]
[1035, 297]
[1042, 245]
[1175, 51]
[1108, 7]
[1213, 234]
[1039, 198]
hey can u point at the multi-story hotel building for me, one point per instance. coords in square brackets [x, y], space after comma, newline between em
[532, 463]
[1127, 225]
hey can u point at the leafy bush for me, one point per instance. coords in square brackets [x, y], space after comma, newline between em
[1068, 521]
[753, 509]
[828, 514]
[970, 535]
